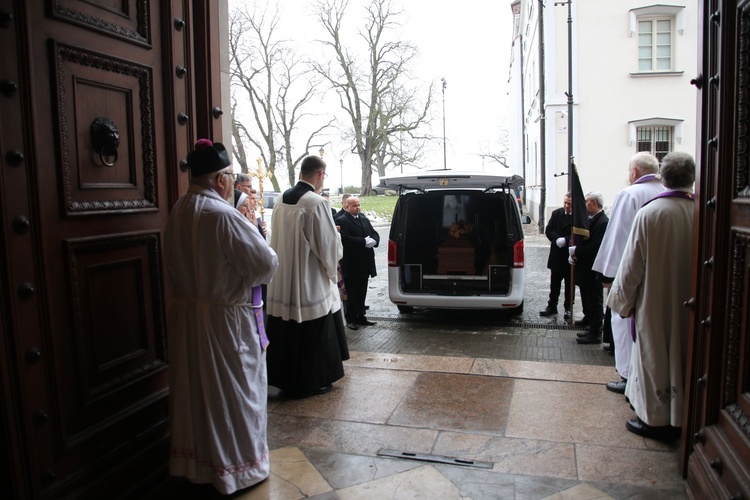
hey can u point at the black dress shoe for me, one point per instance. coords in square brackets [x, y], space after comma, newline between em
[321, 390]
[308, 393]
[581, 322]
[366, 322]
[582, 334]
[566, 314]
[618, 387]
[353, 326]
[590, 338]
[548, 312]
[664, 433]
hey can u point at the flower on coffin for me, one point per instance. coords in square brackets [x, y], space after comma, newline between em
[460, 229]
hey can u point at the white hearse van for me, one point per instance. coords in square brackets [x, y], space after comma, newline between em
[456, 241]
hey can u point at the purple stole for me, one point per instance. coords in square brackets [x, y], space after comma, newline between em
[673, 193]
[645, 178]
[258, 310]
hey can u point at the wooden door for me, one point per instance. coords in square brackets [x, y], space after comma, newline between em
[716, 438]
[83, 303]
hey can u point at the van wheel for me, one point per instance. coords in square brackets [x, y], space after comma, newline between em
[406, 309]
[516, 311]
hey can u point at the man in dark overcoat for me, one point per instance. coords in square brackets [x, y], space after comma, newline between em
[589, 281]
[358, 264]
[558, 233]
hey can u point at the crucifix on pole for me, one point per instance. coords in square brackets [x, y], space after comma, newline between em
[445, 156]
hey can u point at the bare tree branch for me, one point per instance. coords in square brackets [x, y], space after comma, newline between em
[275, 87]
[375, 95]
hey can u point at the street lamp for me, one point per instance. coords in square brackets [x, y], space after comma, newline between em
[445, 156]
[321, 151]
[341, 168]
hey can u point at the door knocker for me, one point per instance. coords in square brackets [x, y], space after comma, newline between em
[105, 138]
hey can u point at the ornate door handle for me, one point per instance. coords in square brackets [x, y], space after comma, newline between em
[105, 138]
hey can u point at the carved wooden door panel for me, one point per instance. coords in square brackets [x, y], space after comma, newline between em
[94, 120]
[716, 440]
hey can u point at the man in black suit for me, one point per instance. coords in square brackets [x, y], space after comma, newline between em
[558, 233]
[358, 264]
[341, 212]
[589, 281]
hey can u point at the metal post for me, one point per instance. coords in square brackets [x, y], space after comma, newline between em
[341, 168]
[445, 155]
[569, 93]
[570, 85]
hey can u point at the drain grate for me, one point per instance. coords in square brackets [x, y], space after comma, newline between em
[475, 321]
[440, 459]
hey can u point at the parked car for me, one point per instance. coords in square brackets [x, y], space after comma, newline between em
[269, 200]
[381, 188]
[456, 241]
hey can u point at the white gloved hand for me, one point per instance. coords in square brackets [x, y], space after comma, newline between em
[560, 242]
[369, 242]
[572, 251]
[571, 261]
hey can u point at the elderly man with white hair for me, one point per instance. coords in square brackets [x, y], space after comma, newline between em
[216, 262]
[589, 281]
[652, 283]
[644, 185]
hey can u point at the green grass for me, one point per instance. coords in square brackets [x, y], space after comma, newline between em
[380, 206]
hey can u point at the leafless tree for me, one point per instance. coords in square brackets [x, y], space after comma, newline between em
[498, 152]
[374, 93]
[275, 86]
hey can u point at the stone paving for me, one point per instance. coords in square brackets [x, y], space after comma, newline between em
[480, 334]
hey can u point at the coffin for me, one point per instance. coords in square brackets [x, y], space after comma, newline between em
[455, 257]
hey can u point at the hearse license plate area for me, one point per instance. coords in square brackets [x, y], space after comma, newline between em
[497, 282]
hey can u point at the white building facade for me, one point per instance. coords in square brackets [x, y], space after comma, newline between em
[632, 63]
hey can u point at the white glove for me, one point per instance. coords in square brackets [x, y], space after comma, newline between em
[572, 251]
[560, 242]
[571, 261]
[369, 242]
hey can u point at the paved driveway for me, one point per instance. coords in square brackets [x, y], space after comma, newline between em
[475, 333]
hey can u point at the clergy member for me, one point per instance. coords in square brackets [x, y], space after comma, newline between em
[644, 185]
[215, 263]
[305, 325]
[652, 283]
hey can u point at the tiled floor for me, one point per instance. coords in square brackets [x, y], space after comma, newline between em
[550, 431]
[468, 391]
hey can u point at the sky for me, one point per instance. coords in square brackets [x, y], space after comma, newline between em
[469, 46]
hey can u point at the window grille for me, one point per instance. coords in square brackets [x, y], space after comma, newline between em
[657, 140]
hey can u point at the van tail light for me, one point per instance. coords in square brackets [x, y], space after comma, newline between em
[391, 253]
[518, 254]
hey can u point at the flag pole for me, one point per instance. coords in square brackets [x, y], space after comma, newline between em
[580, 226]
[572, 291]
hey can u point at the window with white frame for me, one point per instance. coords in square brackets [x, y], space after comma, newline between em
[656, 139]
[655, 44]
[657, 29]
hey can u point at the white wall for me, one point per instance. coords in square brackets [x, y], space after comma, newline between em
[607, 94]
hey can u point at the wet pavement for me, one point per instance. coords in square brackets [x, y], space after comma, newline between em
[478, 334]
[429, 397]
